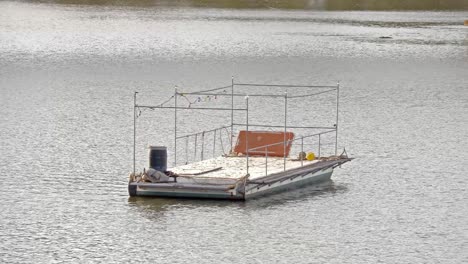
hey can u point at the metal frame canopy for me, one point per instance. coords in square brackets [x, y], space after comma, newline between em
[312, 90]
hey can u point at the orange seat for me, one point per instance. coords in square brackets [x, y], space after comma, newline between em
[258, 139]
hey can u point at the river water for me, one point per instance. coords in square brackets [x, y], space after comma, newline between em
[67, 77]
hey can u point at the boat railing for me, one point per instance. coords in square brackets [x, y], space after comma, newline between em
[199, 139]
[284, 143]
[231, 92]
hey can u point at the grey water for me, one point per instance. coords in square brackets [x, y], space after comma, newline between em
[67, 77]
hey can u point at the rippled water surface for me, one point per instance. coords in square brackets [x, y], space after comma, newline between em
[67, 76]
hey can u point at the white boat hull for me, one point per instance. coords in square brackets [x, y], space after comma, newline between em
[291, 183]
[273, 183]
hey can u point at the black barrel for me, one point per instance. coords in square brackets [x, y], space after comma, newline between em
[158, 158]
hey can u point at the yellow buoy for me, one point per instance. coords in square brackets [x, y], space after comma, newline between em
[310, 156]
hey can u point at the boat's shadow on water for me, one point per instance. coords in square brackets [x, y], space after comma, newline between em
[156, 204]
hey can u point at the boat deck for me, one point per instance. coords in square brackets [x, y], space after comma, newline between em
[235, 168]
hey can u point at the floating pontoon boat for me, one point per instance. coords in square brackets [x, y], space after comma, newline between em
[259, 162]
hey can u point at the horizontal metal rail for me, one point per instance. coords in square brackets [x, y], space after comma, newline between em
[235, 95]
[202, 91]
[191, 108]
[308, 144]
[285, 85]
[308, 95]
[259, 95]
[260, 125]
[206, 131]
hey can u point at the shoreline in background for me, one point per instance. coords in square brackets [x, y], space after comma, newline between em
[325, 5]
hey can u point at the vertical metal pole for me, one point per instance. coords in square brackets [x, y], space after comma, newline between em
[195, 153]
[337, 111]
[247, 132]
[285, 125]
[319, 145]
[134, 132]
[302, 151]
[175, 126]
[214, 143]
[202, 144]
[232, 112]
[186, 150]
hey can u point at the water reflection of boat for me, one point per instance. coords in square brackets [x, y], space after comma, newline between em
[258, 164]
[155, 208]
